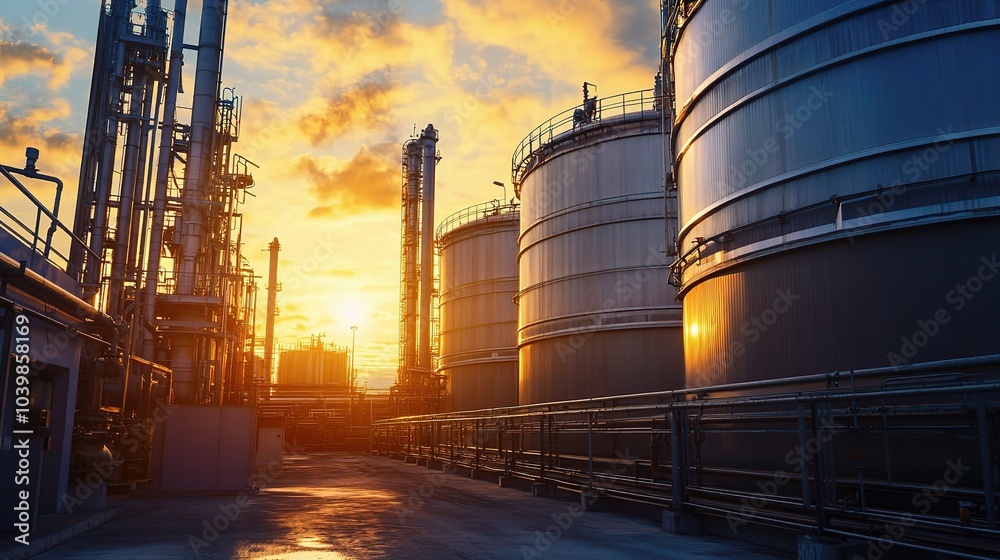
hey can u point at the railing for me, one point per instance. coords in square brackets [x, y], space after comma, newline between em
[483, 211]
[30, 235]
[579, 117]
[781, 445]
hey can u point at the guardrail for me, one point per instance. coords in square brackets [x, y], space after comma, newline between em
[482, 211]
[578, 117]
[827, 467]
[30, 235]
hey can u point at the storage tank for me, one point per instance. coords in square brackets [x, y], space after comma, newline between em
[597, 316]
[310, 365]
[837, 167]
[478, 318]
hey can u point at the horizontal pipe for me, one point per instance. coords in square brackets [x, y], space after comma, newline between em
[36, 285]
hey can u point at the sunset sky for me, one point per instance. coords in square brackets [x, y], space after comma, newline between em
[331, 90]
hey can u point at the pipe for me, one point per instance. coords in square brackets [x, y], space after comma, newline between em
[428, 139]
[102, 197]
[96, 116]
[119, 258]
[411, 243]
[198, 175]
[272, 303]
[162, 176]
[197, 182]
[51, 293]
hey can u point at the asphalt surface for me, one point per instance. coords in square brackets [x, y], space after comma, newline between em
[349, 506]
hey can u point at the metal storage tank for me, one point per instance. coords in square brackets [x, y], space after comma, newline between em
[838, 166]
[313, 366]
[478, 318]
[597, 316]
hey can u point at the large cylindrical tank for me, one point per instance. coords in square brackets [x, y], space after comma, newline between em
[478, 318]
[313, 366]
[597, 315]
[838, 166]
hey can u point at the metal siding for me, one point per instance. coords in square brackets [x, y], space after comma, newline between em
[922, 89]
[478, 318]
[594, 302]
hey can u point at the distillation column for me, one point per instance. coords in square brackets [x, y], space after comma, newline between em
[428, 140]
[197, 181]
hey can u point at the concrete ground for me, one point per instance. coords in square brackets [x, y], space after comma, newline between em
[347, 506]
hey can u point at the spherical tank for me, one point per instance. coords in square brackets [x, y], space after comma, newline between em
[312, 366]
[838, 168]
[478, 354]
[597, 315]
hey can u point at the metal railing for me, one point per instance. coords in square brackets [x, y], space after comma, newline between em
[578, 117]
[30, 235]
[483, 211]
[661, 449]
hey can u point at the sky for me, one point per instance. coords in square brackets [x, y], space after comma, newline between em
[331, 89]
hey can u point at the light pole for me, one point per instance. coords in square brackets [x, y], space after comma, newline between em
[504, 187]
[351, 374]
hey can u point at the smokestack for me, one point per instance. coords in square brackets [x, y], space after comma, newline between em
[411, 249]
[428, 139]
[197, 181]
[272, 301]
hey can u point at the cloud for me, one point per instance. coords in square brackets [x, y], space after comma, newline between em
[32, 126]
[56, 63]
[368, 181]
[366, 105]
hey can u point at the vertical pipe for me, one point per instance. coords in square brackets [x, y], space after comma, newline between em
[272, 303]
[985, 460]
[197, 183]
[428, 139]
[162, 176]
[96, 118]
[590, 451]
[803, 464]
[105, 175]
[130, 173]
[198, 174]
[411, 247]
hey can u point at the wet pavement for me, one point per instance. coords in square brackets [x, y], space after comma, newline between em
[350, 506]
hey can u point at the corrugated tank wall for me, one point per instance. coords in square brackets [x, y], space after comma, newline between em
[478, 317]
[597, 315]
[839, 182]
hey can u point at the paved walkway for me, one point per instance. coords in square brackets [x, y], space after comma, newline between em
[348, 506]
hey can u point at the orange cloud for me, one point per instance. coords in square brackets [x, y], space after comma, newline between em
[364, 105]
[368, 181]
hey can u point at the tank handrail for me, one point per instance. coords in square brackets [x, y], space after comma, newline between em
[483, 210]
[542, 135]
